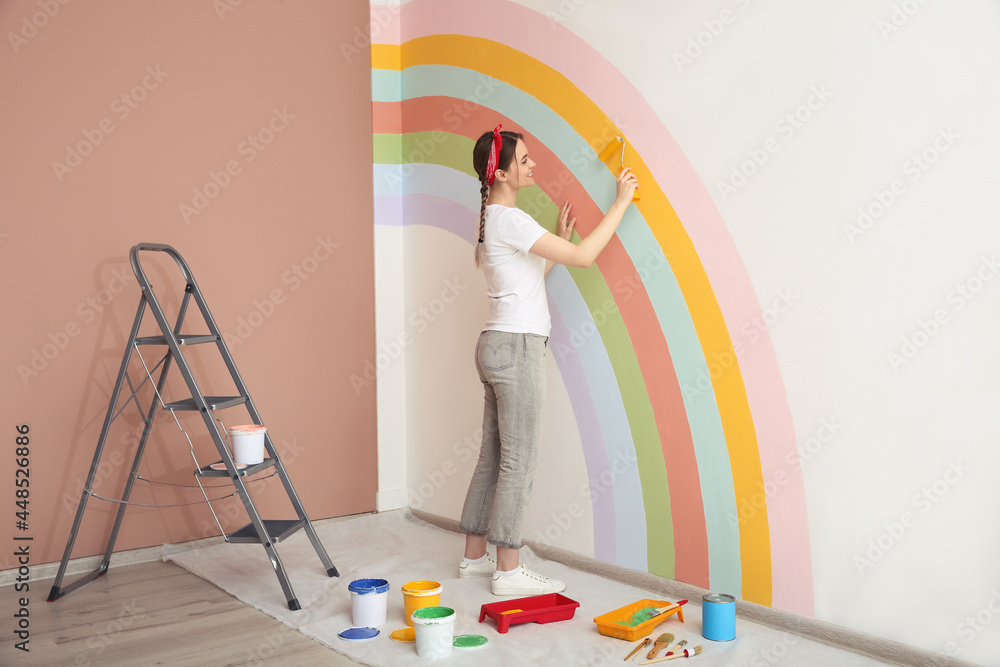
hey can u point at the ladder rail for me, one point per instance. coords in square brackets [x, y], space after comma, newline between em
[147, 428]
[57, 591]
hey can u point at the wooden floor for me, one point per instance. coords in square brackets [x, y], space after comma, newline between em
[152, 614]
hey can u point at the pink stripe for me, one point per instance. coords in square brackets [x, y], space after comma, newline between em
[547, 41]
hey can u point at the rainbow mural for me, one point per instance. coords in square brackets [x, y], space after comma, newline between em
[648, 340]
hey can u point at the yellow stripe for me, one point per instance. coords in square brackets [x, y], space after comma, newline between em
[559, 94]
[386, 56]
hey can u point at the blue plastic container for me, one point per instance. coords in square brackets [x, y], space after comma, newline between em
[718, 617]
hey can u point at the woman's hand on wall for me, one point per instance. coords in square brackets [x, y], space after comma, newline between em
[565, 225]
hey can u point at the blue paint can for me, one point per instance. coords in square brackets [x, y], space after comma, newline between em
[718, 617]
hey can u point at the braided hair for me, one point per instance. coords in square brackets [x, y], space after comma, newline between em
[480, 157]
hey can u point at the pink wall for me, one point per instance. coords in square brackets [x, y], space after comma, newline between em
[281, 244]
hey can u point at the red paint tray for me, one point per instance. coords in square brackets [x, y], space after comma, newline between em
[535, 609]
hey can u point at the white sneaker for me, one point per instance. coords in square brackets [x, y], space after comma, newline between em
[484, 569]
[525, 583]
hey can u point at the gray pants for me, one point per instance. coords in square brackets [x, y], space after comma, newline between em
[512, 369]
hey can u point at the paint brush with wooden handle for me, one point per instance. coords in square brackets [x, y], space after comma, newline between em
[643, 644]
[677, 647]
[686, 653]
[669, 607]
[662, 642]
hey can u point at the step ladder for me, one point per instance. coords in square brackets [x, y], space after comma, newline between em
[267, 532]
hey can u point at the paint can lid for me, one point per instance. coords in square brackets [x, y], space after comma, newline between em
[368, 586]
[247, 429]
[358, 634]
[718, 598]
[404, 635]
[470, 641]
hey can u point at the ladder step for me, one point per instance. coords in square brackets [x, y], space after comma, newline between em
[278, 529]
[207, 471]
[182, 339]
[213, 402]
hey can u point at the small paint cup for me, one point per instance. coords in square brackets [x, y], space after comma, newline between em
[420, 594]
[435, 629]
[248, 443]
[369, 598]
[718, 617]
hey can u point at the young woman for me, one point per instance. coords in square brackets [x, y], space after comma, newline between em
[515, 254]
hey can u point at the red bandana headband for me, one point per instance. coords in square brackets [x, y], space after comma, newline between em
[495, 147]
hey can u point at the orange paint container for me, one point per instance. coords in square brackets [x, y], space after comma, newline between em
[420, 594]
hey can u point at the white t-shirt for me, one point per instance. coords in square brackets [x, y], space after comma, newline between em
[515, 278]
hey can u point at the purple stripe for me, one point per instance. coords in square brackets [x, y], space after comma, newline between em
[591, 437]
[424, 209]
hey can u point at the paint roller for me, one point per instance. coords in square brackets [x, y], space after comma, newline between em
[608, 151]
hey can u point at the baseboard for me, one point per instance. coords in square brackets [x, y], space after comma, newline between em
[392, 499]
[87, 564]
[886, 650]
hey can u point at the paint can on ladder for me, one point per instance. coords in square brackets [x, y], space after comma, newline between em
[718, 617]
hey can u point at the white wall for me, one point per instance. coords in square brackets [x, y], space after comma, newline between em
[877, 431]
